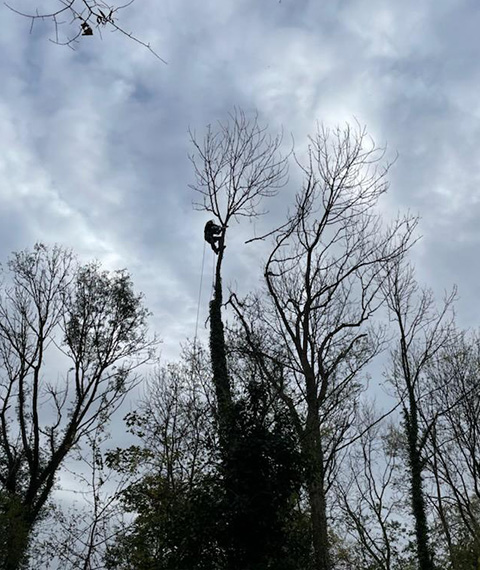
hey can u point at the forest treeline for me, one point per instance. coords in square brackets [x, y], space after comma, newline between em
[264, 449]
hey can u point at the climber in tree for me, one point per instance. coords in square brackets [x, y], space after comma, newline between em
[213, 235]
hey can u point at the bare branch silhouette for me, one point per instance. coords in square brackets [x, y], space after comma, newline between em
[87, 18]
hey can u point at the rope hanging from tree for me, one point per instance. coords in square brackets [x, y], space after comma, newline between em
[199, 298]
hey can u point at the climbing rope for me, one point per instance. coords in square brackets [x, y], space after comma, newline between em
[213, 276]
[199, 296]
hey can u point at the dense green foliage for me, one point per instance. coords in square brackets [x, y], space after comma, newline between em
[241, 515]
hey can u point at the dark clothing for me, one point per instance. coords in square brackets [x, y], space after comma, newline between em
[213, 234]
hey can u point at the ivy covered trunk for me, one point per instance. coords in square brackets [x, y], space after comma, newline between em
[425, 558]
[317, 500]
[16, 529]
[226, 422]
[221, 379]
[315, 473]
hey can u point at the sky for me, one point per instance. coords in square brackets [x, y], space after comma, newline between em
[94, 141]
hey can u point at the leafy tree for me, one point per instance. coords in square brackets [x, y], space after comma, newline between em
[264, 486]
[56, 315]
[176, 494]
[186, 514]
[175, 528]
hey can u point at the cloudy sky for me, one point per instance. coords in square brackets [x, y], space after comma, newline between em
[94, 142]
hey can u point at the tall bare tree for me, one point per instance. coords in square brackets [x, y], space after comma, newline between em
[236, 167]
[70, 338]
[323, 282]
[423, 331]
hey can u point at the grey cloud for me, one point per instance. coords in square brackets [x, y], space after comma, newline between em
[105, 127]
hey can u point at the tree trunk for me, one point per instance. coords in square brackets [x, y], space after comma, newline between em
[425, 558]
[18, 526]
[319, 525]
[313, 453]
[221, 380]
[223, 394]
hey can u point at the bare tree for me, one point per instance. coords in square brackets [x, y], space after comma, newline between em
[236, 167]
[368, 497]
[76, 537]
[323, 279]
[423, 332]
[453, 447]
[57, 316]
[86, 16]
